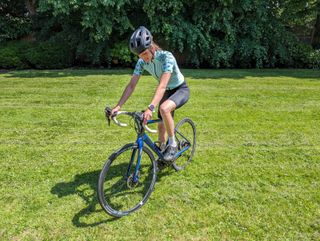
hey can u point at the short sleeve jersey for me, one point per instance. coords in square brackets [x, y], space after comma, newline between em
[163, 62]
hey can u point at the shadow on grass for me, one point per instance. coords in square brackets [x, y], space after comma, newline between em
[90, 179]
[85, 185]
[188, 73]
[244, 73]
[60, 73]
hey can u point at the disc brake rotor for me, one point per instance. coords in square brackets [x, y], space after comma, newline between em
[130, 183]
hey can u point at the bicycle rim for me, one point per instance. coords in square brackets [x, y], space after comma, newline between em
[118, 194]
[185, 134]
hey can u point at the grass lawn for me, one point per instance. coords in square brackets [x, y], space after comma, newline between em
[255, 174]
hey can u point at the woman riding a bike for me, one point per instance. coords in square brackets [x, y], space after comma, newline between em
[171, 93]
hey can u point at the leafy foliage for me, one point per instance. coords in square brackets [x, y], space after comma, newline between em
[9, 58]
[244, 34]
[121, 54]
[14, 21]
[297, 12]
[49, 55]
[314, 59]
[41, 55]
[219, 33]
[13, 55]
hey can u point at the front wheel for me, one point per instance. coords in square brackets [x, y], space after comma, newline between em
[185, 134]
[121, 189]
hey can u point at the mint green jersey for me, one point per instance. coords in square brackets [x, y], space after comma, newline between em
[163, 62]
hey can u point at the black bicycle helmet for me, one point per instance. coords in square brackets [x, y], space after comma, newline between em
[140, 40]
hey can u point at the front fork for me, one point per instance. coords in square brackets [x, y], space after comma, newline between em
[135, 177]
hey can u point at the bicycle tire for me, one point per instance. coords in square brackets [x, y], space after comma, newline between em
[185, 130]
[110, 202]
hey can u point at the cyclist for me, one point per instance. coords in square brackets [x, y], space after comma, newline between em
[171, 93]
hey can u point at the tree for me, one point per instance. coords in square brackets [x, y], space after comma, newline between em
[31, 6]
[300, 14]
[315, 40]
[217, 33]
[14, 20]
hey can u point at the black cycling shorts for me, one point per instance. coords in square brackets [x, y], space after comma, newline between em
[179, 96]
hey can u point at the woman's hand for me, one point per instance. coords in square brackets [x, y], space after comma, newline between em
[147, 115]
[115, 110]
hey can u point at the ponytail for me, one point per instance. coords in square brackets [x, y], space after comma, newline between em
[155, 47]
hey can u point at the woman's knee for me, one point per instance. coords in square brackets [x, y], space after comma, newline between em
[164, 109]
[167, 107]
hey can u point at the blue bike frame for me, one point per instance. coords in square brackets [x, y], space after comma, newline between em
[144, 138]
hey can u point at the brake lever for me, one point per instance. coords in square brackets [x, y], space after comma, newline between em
[108, 111]
[145, 126]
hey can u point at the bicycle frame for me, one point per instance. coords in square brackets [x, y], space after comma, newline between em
[142, 139]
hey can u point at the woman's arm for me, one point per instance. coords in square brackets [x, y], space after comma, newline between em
[127, 92]
[164, 80]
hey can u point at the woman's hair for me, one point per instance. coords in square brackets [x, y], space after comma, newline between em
[155, 46]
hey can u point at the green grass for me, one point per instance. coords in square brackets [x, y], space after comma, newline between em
[255, 175]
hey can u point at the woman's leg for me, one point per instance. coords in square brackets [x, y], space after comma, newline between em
[165, 109]
[162, 134]
[172, 100]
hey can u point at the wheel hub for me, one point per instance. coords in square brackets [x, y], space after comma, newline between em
[131, 183]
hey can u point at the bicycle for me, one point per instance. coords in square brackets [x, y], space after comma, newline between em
[128, 176]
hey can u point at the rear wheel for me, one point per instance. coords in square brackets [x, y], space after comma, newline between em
[185, 134]
[120, 191]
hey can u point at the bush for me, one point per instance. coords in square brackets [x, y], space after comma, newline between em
[314, 59]
[50, 55]
[12, 55]
[43, 55]
[300, 54]
[120, 54]
[9, 59]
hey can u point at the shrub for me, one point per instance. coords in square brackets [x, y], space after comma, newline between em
[50, 55]
[121, 55]
[300, 54]
[43, 55]
[9, 58]
[12, 55]
[314, 59]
